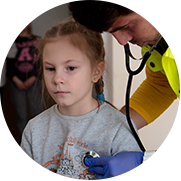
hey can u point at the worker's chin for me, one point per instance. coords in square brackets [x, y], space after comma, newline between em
[142, 44]
[139, 43]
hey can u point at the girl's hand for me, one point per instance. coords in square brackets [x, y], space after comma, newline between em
[20, 85]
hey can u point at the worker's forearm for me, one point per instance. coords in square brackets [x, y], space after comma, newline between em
[170, 159]
[137, 118]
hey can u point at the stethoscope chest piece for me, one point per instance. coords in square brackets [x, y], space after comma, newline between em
[92, 154]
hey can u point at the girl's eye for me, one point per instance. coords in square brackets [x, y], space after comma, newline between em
[72, 68]
[50, 69]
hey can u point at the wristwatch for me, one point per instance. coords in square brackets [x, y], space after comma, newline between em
[151, 169]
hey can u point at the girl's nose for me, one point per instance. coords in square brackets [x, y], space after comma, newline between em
[59, 79]
[122, 37]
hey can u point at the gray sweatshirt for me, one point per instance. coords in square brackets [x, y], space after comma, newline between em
[58, 142]
[7, 50]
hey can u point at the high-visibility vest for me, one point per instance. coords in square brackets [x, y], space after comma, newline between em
[169, 64]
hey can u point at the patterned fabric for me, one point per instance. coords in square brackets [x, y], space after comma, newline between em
[53, 144]
[7, 50]
[24, 64]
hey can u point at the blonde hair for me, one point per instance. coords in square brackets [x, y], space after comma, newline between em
[15, 30]
[88, 41]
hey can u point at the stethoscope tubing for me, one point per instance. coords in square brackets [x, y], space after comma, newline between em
[131, 74]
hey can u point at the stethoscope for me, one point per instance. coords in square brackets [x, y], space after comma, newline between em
[131, 74]
[144, 59]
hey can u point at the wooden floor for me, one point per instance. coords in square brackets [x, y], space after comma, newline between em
[6, 178]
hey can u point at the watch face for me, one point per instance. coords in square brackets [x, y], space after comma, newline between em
[152, 173]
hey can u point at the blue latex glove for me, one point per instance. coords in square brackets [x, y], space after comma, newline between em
[110, 166]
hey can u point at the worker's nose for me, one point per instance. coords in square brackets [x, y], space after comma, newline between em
[122, 37]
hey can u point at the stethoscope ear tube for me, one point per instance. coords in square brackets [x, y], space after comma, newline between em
[131, 73]
[128, 115]
[128, 54]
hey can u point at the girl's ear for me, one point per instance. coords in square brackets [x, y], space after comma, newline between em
[97, 72]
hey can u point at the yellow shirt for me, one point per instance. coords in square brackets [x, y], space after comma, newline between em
[153, 96]
[162, 84]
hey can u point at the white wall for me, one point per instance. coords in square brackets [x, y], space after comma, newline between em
[43, 13]
[108, 72]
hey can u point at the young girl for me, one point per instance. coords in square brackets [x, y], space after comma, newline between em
[22, 72]
[72, 62]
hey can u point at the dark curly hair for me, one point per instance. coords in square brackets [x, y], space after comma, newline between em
[97, 15]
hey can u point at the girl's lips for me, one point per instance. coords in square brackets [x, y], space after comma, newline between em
[61, 93]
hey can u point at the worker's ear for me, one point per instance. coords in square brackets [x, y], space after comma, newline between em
[97, 71]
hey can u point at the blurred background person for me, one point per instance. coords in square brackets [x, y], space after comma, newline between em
[24, 87]
[7, 50]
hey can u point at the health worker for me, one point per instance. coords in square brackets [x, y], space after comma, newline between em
[160, 88]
